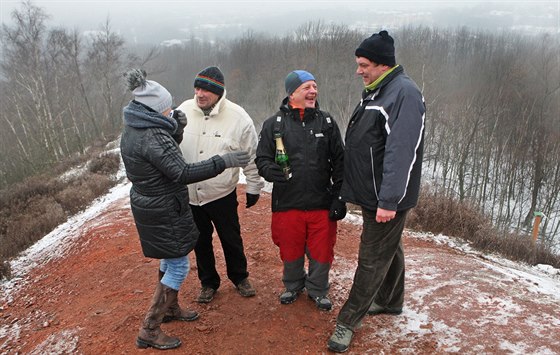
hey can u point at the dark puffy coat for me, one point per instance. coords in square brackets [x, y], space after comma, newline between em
[159, 198]
[316, 153]
[384, 146]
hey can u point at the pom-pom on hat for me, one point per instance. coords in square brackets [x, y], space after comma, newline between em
[296, 78]
[148, 92]
[210, 79]
[379, 48]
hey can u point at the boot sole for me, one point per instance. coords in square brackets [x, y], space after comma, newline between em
[143, 344]
[291, 300]
[247, 294]
[204, 300]
[336, 349]
[168, 319]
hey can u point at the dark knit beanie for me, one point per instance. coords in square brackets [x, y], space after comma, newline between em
[210, 79]
[378, 48]
[296, 78]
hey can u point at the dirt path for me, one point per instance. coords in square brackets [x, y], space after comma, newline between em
[92, 301]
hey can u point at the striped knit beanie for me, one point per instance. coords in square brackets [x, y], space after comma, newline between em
[210, 79]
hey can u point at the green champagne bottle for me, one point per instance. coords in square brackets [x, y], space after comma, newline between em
[281, 157]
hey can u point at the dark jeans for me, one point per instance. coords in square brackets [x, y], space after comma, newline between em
[222, 214]
[379, 276]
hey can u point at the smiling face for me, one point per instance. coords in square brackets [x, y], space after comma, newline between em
[204, 98]
[305, 96]
[369, 71]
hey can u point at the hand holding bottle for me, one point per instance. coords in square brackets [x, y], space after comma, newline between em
[275, 174]
[281, 157]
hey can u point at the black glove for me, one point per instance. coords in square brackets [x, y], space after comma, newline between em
[275, 174]
[251, 199]
[180, 117]
[338, 210]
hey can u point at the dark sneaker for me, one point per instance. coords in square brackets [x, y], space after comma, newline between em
[322, 302]
[340, 340]
[206, 295]
[288, 297]
[245, 288]
[377, 309]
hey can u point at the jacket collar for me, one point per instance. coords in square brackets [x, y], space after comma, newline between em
[218, 106]
[386, 80]
[286, 109]
[137, 115]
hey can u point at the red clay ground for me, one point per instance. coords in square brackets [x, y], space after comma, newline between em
[92, 301]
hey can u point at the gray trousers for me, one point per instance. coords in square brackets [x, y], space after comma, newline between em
[316, 281]
[379, 276]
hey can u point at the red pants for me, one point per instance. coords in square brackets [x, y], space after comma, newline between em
[296, 231]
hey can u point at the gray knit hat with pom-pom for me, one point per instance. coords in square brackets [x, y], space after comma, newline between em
[148, 92]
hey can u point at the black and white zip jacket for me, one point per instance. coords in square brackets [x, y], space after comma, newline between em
[384, 146]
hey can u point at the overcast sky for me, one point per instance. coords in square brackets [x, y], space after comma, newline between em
[156, 21]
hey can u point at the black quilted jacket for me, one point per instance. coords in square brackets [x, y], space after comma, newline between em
[316, 152]
[159, 198]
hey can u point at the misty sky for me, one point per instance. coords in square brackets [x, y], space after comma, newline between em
[155, 21]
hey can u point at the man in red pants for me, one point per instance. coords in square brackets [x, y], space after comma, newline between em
[306, 205]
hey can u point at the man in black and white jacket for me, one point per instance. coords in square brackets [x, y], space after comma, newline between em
[382, 168]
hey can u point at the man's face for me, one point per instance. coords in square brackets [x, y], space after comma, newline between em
[368, 70]
[204, 98]
[305, 95]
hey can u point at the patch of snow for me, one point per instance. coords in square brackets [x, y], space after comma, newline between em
[540, 278]
[63, 342]
[74, 172]
[10, 332]
[513, 348]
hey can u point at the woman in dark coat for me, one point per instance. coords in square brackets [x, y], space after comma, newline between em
[159, 198]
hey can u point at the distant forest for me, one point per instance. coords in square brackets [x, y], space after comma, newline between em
[493, 99]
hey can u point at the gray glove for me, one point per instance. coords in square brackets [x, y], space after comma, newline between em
[180, 117]
[236, 159]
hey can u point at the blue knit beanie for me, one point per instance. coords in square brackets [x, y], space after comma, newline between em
[296, 78]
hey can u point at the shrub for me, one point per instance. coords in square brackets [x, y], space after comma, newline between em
[33, 208]
[440, 214]
[5, 270]
[80, 191]
[106, 164]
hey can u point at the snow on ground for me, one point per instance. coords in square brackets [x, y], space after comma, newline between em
[541, 278]
[540, 283]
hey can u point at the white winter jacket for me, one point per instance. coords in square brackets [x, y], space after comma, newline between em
[227, 128]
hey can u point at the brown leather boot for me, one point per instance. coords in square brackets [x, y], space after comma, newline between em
[175, 312]
[150, 333]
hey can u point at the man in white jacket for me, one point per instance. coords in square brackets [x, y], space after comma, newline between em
[216, 126]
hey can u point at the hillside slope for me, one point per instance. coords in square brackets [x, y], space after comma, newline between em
[88, 291]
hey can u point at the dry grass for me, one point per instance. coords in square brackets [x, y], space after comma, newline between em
[33, 208]
[438, 214]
